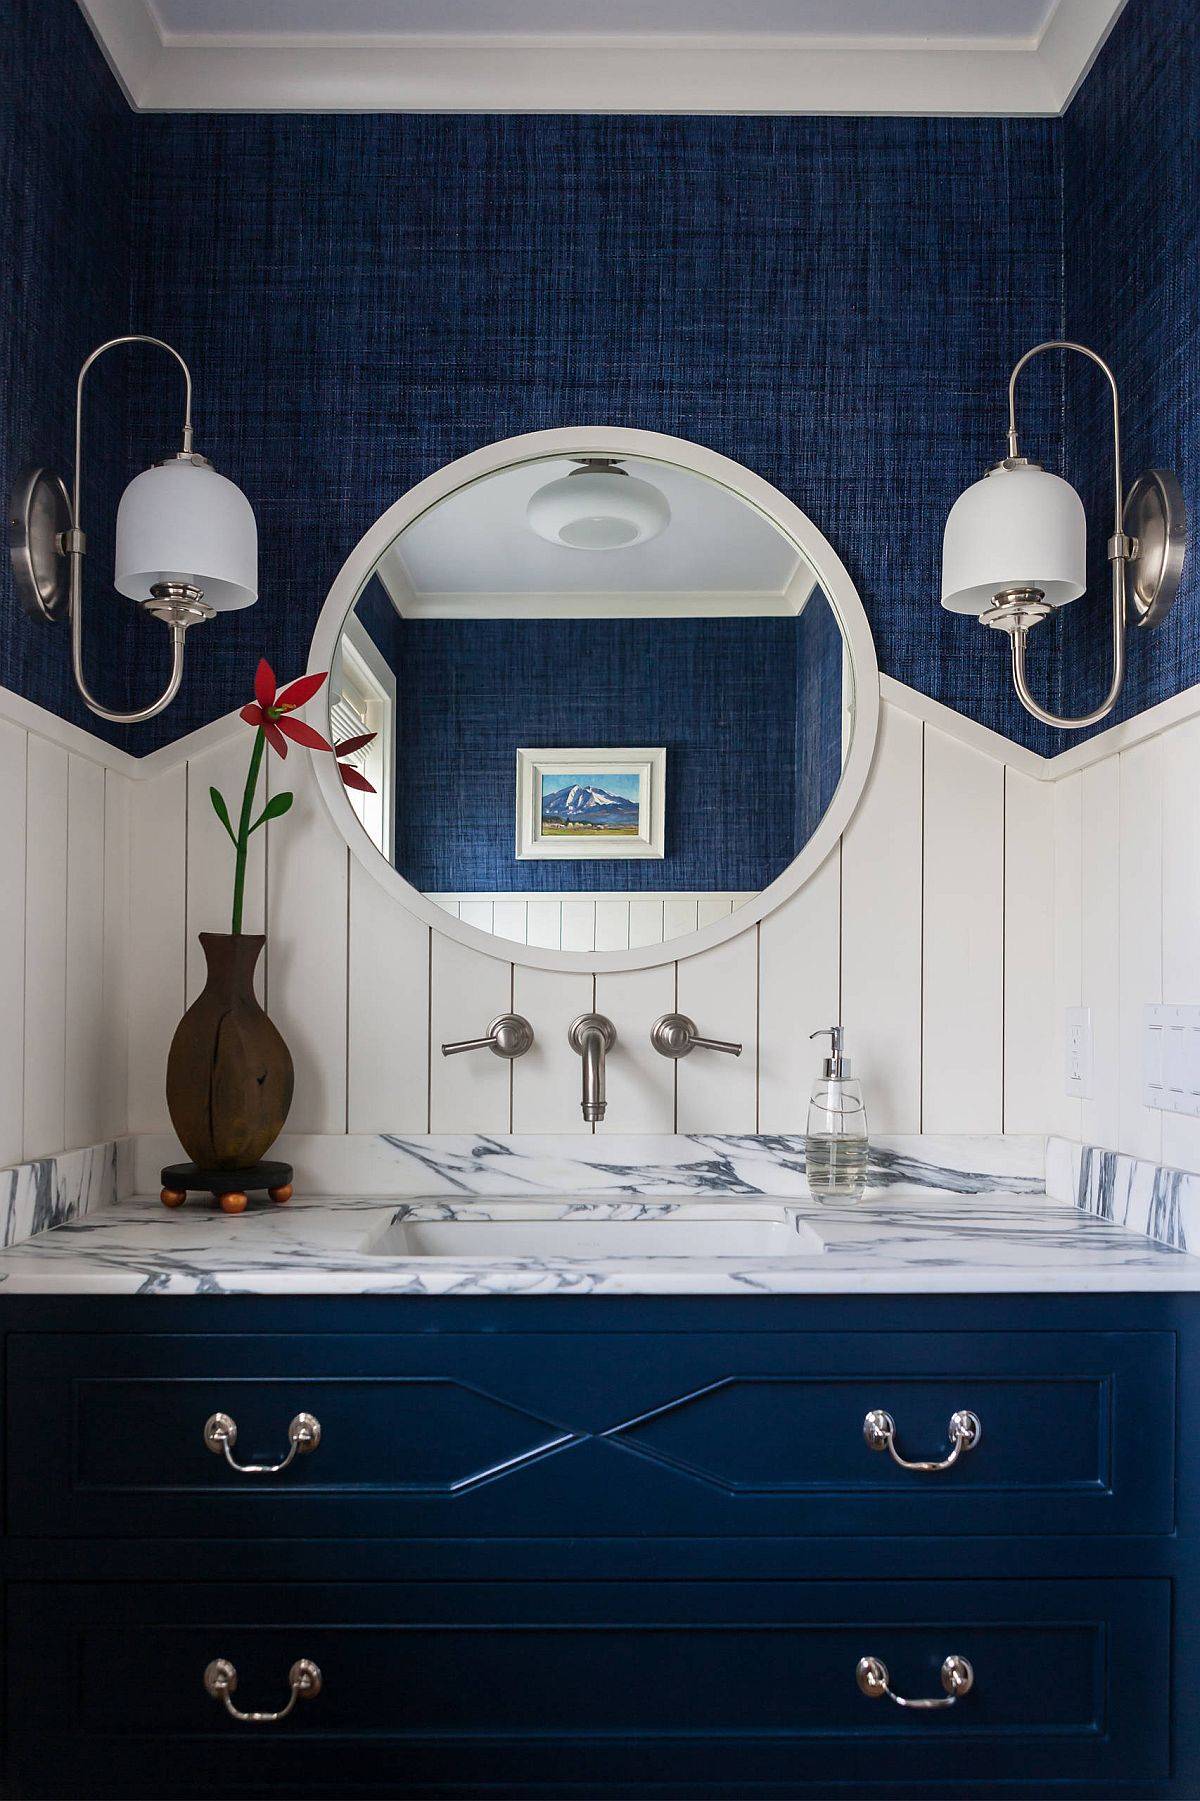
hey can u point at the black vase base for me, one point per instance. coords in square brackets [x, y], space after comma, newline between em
[230, 1188]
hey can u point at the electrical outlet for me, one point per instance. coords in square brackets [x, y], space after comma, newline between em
[1078, 1072]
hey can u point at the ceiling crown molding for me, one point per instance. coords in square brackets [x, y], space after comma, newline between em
[599, 72]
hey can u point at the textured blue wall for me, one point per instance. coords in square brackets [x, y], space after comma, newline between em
[834, 302]
[720, 694]
[66, 138]
[1132, 292]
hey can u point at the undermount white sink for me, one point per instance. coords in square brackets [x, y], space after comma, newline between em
[582, 1230]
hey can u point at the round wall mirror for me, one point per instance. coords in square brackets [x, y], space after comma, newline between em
[606, 698]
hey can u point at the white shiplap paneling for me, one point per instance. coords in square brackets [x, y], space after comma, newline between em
[467, 991]
[1181, 907]
[1139, 1128]
[1028, 954]
[881, 929]
[388, 1012]
[963, 950]
[547, 1082]
[13, 751]
[118, 794]
[719, 990]
[641, 1084]
[799, 992]
[1101, 945]
[1066, 1110]
[158, 876]
[85, 953]
[45, 950]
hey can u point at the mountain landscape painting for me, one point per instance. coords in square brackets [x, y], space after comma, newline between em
[589, 806]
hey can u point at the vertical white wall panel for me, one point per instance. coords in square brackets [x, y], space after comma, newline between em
[612, 925]
[881, 928]
[799, 992]
[962, 1078]
[547, 1082]
[158, 874]
[645, 923]
[389, 1011]
[1141, 944]
[211, 858]
[1181, 907]
[1101, 940]
[307, 903]
[679, 918]
[1028, 953]
[641, 1084]
[719, 990]
[471, 1092]
[118, 797]
[13, 752]
[85, 1055]
[579, 925]
[510, 920]
[1066, 1110]
[544, 924]
[45, 950]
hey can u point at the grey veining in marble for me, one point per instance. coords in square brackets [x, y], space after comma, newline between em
[1147, 1197]
[902, 1241]
[35, 1196]
[611, 1163]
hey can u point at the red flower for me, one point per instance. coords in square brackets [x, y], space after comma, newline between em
[349, 774]
[272, 711]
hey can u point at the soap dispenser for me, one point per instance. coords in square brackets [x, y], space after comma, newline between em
[835, 1146]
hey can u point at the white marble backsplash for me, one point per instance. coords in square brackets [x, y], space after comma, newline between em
[1147, 1197]
[474, 1164]
[50, 1190]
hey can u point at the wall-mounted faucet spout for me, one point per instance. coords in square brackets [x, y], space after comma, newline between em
[592, 1036]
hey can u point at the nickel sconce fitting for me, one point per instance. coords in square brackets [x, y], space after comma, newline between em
[186, 543]
[1015, 548]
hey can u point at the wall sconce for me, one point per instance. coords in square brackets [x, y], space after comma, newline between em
[186, 543]
[1016, 548]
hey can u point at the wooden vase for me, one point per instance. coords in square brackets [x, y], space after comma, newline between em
[229, 1072]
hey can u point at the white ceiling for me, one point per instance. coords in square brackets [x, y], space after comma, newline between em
[625, 56]
[474, 555]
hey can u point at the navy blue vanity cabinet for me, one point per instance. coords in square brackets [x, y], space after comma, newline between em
[601, 1547]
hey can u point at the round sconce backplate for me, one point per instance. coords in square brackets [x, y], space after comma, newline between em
[1156, 515]
[40, 514]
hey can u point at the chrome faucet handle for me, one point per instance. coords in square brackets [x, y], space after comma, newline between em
[675, 1035]
[509, 1035]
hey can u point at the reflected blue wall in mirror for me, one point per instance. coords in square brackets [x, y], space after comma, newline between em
[749, 711]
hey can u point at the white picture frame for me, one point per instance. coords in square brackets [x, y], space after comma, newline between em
[586, 782]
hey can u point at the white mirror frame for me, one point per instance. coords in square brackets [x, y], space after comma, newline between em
[610, 441]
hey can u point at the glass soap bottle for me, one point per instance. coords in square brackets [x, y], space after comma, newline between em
[835, 1145]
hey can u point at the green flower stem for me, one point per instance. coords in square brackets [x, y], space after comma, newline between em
[242, 842]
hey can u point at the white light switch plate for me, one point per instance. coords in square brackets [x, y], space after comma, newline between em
[1078, 1071]
[1172, 1059]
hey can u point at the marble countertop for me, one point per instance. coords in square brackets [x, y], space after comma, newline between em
[896, 1240]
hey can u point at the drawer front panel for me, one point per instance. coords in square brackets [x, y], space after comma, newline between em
[585, 1683]
[555, 1435]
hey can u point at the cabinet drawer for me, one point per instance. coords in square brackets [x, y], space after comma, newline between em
[551, 1435]
[549, 1686]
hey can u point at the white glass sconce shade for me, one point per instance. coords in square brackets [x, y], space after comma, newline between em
[1019, 528]
[182, 523]
[598, 507]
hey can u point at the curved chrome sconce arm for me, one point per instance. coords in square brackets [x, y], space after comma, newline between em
[993, 536]
[1120, 549]
[178, 609]
[47, 533]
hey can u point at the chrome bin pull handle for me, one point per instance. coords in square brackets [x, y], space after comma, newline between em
[958, 1679]
[965, 1432]
[220, 1435]
[220, 1680]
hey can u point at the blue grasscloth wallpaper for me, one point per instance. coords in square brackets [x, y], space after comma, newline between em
[720, 694]
[66, 167]
[1131, 168]
[834, 302]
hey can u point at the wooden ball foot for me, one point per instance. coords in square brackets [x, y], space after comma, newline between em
[173, 1197]
[233, 1203]
[280, 1195]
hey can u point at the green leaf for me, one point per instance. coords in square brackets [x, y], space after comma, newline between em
[221, 811]
[275, 808]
